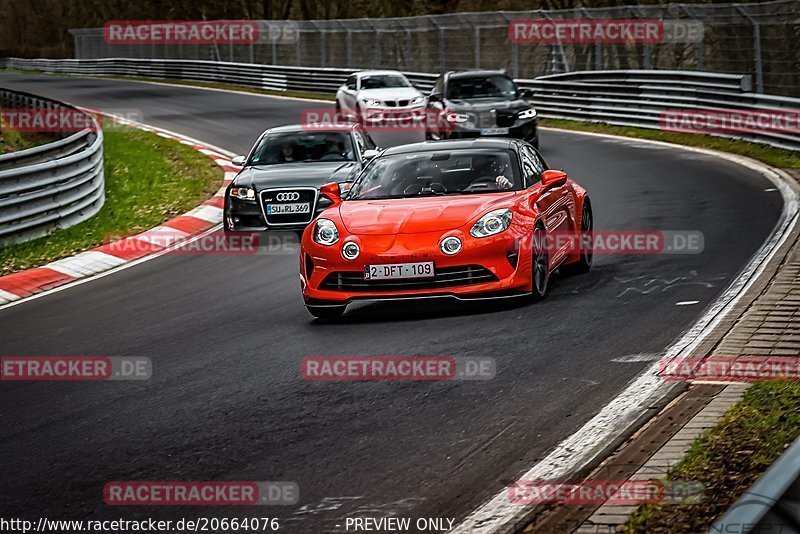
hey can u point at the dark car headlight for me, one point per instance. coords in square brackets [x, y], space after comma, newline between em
[243, 193]
[527, 114]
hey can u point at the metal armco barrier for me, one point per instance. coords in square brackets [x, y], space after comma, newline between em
[622, 97]
[772, 504]
[49, 186]
[275, 78]
[639, 98]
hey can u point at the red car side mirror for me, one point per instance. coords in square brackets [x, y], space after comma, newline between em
[554, 178]
[331, 191]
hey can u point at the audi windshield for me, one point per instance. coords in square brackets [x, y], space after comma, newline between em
[298, 147]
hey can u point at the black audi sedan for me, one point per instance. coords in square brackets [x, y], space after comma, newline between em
[479, 103]
[278, 186]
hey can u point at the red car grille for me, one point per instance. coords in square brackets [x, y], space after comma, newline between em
[443, 277]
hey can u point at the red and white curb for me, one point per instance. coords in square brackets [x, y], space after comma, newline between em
[109, 256]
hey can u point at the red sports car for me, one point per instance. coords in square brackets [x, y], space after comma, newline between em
[466, 219]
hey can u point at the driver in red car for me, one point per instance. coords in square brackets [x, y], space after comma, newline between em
[489, 167]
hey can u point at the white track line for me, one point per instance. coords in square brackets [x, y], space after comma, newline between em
[590, 442]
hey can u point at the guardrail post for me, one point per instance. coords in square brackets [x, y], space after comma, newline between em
[756, 48]
[408, 50]
[349, 48]
[442, 62]
[322, 56]
[477, 47]
[378, 47]
[699, 49]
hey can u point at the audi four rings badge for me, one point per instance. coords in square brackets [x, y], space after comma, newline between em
[286, 197]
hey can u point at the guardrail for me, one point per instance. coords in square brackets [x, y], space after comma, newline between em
[49, 186]
[624, 97]
[641, 98]
[772, 504]
[276, 78]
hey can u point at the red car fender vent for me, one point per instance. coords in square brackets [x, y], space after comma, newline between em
[513, 254]
[309, 266]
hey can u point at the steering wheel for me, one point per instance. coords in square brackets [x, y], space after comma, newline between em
[482, 183]
[416, 189]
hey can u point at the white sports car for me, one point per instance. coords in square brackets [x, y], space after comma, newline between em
[379, 95]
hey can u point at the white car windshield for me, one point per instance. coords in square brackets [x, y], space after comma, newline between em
[383, 81]
[441, 172]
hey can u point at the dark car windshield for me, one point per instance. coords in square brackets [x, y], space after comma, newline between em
[496, 86]
[442, 172]
[382, 81]
[292, 147]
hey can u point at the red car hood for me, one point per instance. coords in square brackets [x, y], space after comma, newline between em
[416, 215]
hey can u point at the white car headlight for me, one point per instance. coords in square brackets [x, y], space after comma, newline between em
[417, 100]
[492, 223]
[450, 245]
[350, 250]
[456, 117]
[370, 102]
[527, 114]
[325, 232]
[244, 193]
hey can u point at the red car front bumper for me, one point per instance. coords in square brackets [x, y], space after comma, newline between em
[498, 265]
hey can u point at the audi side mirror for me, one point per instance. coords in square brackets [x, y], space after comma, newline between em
[238, 160]
[369, 154]
[553, 178]
[525, 93]
[435, 98]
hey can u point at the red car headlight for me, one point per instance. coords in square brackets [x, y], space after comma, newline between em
[492, 223]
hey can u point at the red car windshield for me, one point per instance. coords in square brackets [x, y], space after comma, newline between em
[442, 172]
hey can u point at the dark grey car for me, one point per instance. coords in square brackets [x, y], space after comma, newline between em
[480, 103]
[278, 186]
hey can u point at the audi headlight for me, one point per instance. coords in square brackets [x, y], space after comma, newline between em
[450, 245]
[417, 100]
[243, 193]
[527, 114]
[369, 102]
[325, 232]
[456, 117]
[492, 223]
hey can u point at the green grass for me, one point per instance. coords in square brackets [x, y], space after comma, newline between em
[776, 157]
[11, 141]
[149, 179]
[728, 458]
